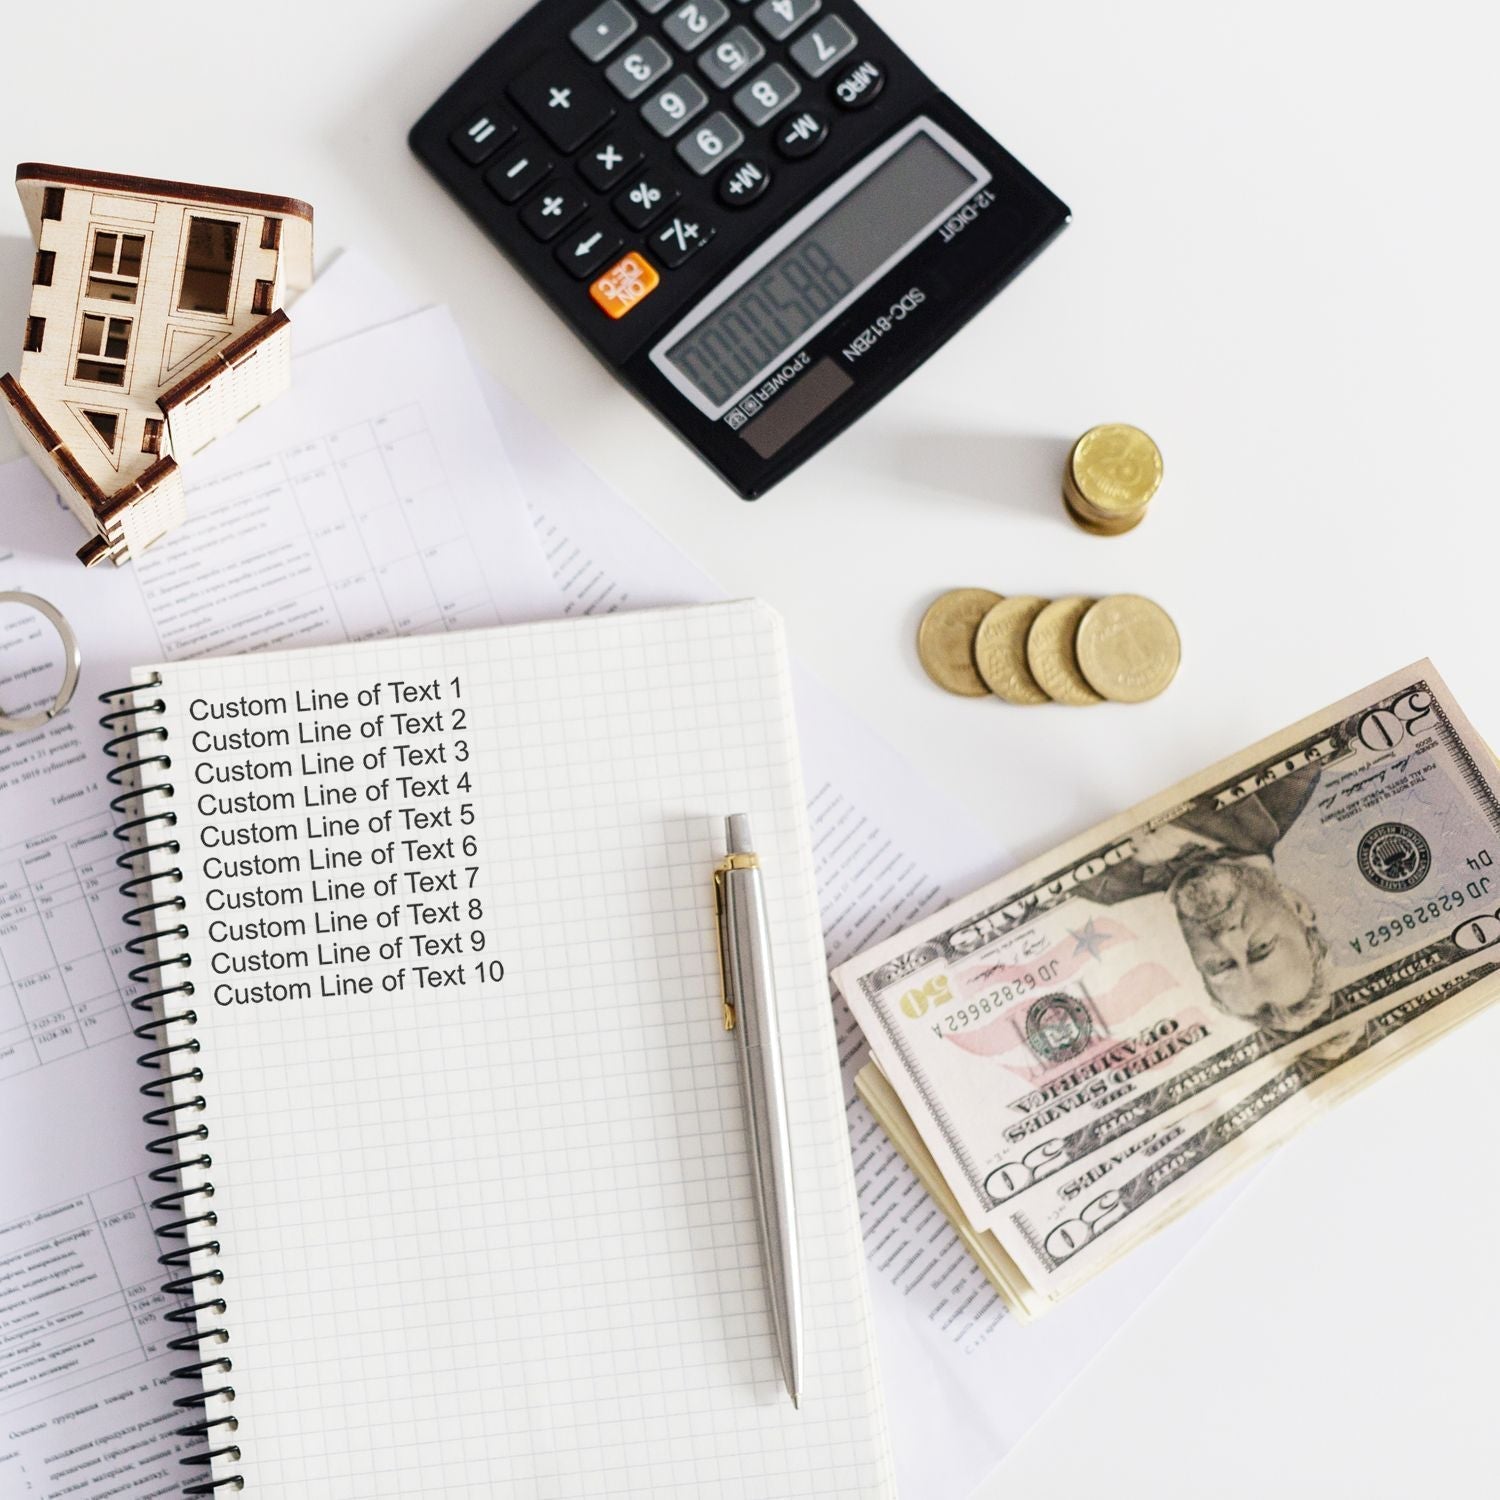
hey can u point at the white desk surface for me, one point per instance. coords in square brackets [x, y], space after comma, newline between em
[1282, 265]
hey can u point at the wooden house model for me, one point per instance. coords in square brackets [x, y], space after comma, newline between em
[155, 326]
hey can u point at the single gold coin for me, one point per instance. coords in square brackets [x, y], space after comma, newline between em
[1115, 470]
[1052, 657]
[1128, 648]
[945, 640]
[1000, 650]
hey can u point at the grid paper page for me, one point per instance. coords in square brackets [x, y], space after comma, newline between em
[498, 1238]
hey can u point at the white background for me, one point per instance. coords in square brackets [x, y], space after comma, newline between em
[1283, 266]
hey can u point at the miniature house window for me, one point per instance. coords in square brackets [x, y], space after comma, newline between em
[107, 425]
[36, 331]
[270, 234]
[261, 302]
[103, 347]
[41, 274]
[208, 271]
[151, 437]
[115, 265]
[52, 203]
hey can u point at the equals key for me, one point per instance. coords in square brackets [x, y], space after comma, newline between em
[587, 248]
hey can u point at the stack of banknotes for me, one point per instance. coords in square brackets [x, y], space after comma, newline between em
[1078, 1053]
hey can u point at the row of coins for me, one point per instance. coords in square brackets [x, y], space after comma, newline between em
[1026, 650]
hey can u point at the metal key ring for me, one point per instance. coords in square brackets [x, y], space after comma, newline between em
[70, 669]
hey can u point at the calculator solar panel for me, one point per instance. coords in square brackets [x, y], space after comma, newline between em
[758, 213]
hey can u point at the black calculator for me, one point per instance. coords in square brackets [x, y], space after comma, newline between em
[758, 213]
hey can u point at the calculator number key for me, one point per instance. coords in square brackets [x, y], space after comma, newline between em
[635, 71]
[601, 31]
[736, 53]
[551, 211]
[667, 112]
[691, 25]
[629, 281]
[680, 237]
[647, 198]
[828, 41]
[710, 145]
[782, 17]
[561, 99]
[586, 249]
[767, 95]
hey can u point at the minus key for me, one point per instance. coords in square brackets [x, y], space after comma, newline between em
[516, 173]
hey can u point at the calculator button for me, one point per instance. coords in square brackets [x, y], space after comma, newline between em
[744, 180]
[859, 86]
[727, 59]
[631, 279]
[802, 135]
[552, 210]
[585, 249]
[482, 136]
[709, 144]
[782, 17]
[608, 160]
[767, 95]
[828, 41]
[563, 101]
[647, 198]
[692, 24]
[652, 6]
[681, 236]
[601, 31]
[514, 175]
[633, 72]
[667, 112]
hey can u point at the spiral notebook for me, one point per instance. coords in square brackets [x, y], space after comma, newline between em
[455, 1189]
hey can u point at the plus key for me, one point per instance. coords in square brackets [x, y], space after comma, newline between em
[551, 210]
[562, 100]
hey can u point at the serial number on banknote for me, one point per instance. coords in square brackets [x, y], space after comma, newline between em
[1432, 910]
[917, 1002]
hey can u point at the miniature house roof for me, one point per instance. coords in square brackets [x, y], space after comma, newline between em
[33, 178]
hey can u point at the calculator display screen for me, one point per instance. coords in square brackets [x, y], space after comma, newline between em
[808, 273]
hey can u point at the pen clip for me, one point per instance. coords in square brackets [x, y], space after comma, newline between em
[719, 916]
[730, 862]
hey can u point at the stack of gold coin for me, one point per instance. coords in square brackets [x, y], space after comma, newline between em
[1027, 650]
[1112, 473]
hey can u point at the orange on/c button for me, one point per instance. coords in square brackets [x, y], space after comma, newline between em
[630, 280]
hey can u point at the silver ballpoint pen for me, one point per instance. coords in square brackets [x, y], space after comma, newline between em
[750, 1009]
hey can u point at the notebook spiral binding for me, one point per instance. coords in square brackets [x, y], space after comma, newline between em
[143, 808]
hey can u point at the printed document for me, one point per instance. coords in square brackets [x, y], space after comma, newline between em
[372, 500]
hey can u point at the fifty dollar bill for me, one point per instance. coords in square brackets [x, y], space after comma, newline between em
[1071, 1014]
